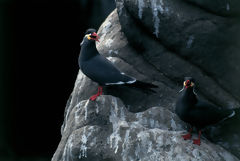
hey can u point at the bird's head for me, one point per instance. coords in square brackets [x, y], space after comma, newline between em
[189, 82]
[92, 35]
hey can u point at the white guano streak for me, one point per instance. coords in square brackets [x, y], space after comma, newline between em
[117, 121]
[190, 41]
[85, 107]
[83, 148]
[67, 152]
[155, 9]
[85, 136]
[140, 8]
[228, 7]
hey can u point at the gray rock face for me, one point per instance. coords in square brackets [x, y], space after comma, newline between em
[219, 7]
[114, 45]
[159, 42]
[105, 130]
[179, 39]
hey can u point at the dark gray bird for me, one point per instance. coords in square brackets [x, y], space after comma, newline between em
[101, 70]
[196, 112]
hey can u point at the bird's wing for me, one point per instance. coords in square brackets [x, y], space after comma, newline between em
[101, 70]
[208, 113]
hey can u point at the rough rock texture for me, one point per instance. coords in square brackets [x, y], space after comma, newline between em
[158, 41]
[180, 39]
[105, 130]
[220, 7]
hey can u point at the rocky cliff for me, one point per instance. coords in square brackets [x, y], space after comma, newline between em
[158, 41]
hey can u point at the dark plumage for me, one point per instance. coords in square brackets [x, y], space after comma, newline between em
[196, 112]
[101, 70]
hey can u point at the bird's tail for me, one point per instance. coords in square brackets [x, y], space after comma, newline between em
[231, 113]
[236, 112]
[142, 85]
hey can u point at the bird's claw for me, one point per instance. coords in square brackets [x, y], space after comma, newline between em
[94, 97]
[197, 141]
[187, 136]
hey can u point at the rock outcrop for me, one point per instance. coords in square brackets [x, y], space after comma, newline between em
[180, 39]
[159, 42]
[105, 130]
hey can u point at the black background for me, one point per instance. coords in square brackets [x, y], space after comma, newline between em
[39, 52]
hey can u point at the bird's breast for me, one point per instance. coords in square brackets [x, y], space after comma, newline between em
[182, 110]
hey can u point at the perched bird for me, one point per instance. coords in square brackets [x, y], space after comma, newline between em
[101, 70]
[197, 113]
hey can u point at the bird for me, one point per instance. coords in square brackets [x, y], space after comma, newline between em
[101, 70]
[198, 113]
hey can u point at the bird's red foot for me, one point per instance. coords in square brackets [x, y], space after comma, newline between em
[197, 141]
[187, 136]
[94, 97]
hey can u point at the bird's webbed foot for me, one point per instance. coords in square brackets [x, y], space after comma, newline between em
[94, 97]
[197, 141]
[187, 136]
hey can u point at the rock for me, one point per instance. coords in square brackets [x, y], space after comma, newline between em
[175, 67]
[226, 134]
[132, 124]
[105, 130]
[131, 63]
[219, 7]
[199, 44]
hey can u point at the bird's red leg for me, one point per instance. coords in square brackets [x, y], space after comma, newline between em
[94, 97]
[188, 135]
[198, 141]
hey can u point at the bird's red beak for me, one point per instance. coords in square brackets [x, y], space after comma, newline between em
[95, 36]
[187, 83]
